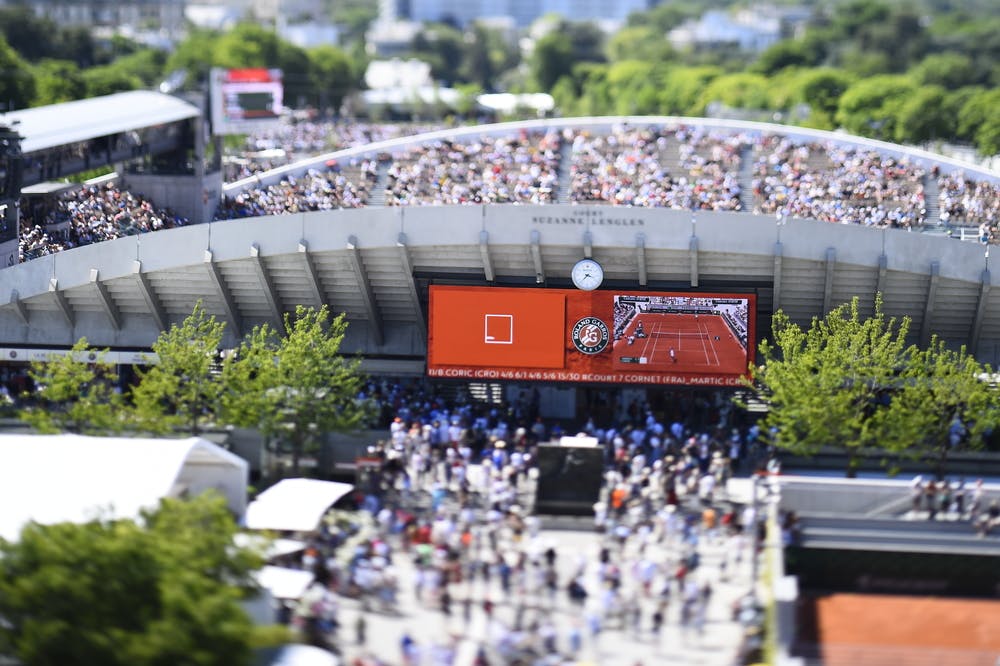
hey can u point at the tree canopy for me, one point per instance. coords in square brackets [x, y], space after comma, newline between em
[75, 393]
[295, 387]
[852, 381]
[181, 390]
[165, 590]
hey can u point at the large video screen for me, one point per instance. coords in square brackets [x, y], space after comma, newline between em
[245, 99]
[596, 337]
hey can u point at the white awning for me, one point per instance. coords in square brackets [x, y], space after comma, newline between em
[268, 548]
[294, 505]
[70, 478]
[284, 583]
[298, 655]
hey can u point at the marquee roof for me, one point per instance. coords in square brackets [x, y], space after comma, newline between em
[295, 505]
[70, 478]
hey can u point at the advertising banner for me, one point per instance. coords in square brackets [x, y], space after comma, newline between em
[567, 335]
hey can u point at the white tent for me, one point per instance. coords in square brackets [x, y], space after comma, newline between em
[70, 478]
[295, 505]
[284, 583]
[296, 655]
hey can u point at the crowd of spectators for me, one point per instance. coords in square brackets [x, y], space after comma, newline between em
[681, 168]
[339, 186]
[511, 169]
[678, 167]
[624, 312]
[834, 183]
[967, 202]
[303, 138]
[92, 214]
[736, 318]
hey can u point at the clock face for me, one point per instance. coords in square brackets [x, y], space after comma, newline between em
[587, 274]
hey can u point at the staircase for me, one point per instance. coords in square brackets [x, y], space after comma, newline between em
[564, 184]
[377, 196]
[746, 179]
[931, 202]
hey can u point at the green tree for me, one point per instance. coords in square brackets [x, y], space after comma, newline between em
[979, 118]
[869, 107]
[825, 386]
[742, 90]
[296, 387]
[17, 80]
[666, 16]
[943, 402]
[162, 591]
[956, 103]
[354, 16]
[924, 116]
[58, 81]
[30, 35]
[948, 70]
[248, 45]
[785, 54]
[487, 53]
[443, 47]
[181, 390]
[551, 60]
[640, 42]
[75, 393]
[683, 88]
[332, 75]
[195, 55]
[821, 89]
[144, 64]
[109, 79]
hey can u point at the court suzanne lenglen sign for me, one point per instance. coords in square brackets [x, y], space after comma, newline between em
[567, 335]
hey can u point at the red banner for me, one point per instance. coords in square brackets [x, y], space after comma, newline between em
[497, 333]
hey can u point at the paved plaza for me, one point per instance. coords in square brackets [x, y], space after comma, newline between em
[531, 615]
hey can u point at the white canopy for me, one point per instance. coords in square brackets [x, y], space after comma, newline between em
[295, 505]
[284, 583]
[297, 655]
[70, 478]
[268, 548]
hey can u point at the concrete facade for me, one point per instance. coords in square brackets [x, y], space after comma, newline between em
[374, 265]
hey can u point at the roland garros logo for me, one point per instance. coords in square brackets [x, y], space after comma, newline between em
[590, 335]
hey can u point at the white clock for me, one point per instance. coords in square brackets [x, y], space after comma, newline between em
[587, 274]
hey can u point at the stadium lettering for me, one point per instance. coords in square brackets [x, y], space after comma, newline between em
[576, 219]
[556, 220]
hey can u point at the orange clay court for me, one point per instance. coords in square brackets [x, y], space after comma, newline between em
[869, 629]
[692, 339]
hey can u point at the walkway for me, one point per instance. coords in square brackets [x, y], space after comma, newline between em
[619, 643]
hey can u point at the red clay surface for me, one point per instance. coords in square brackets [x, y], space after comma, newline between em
[691, 337]
[904, 630]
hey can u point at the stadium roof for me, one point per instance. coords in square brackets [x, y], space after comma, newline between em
[60, 124]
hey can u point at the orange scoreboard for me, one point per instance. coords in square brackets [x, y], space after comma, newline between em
[568, 335]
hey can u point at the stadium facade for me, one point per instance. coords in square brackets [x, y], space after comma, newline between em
[376, 263]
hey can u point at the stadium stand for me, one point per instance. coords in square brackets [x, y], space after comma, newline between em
[92, 214]
[837, 184]
[517, 169]
[680, 166]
